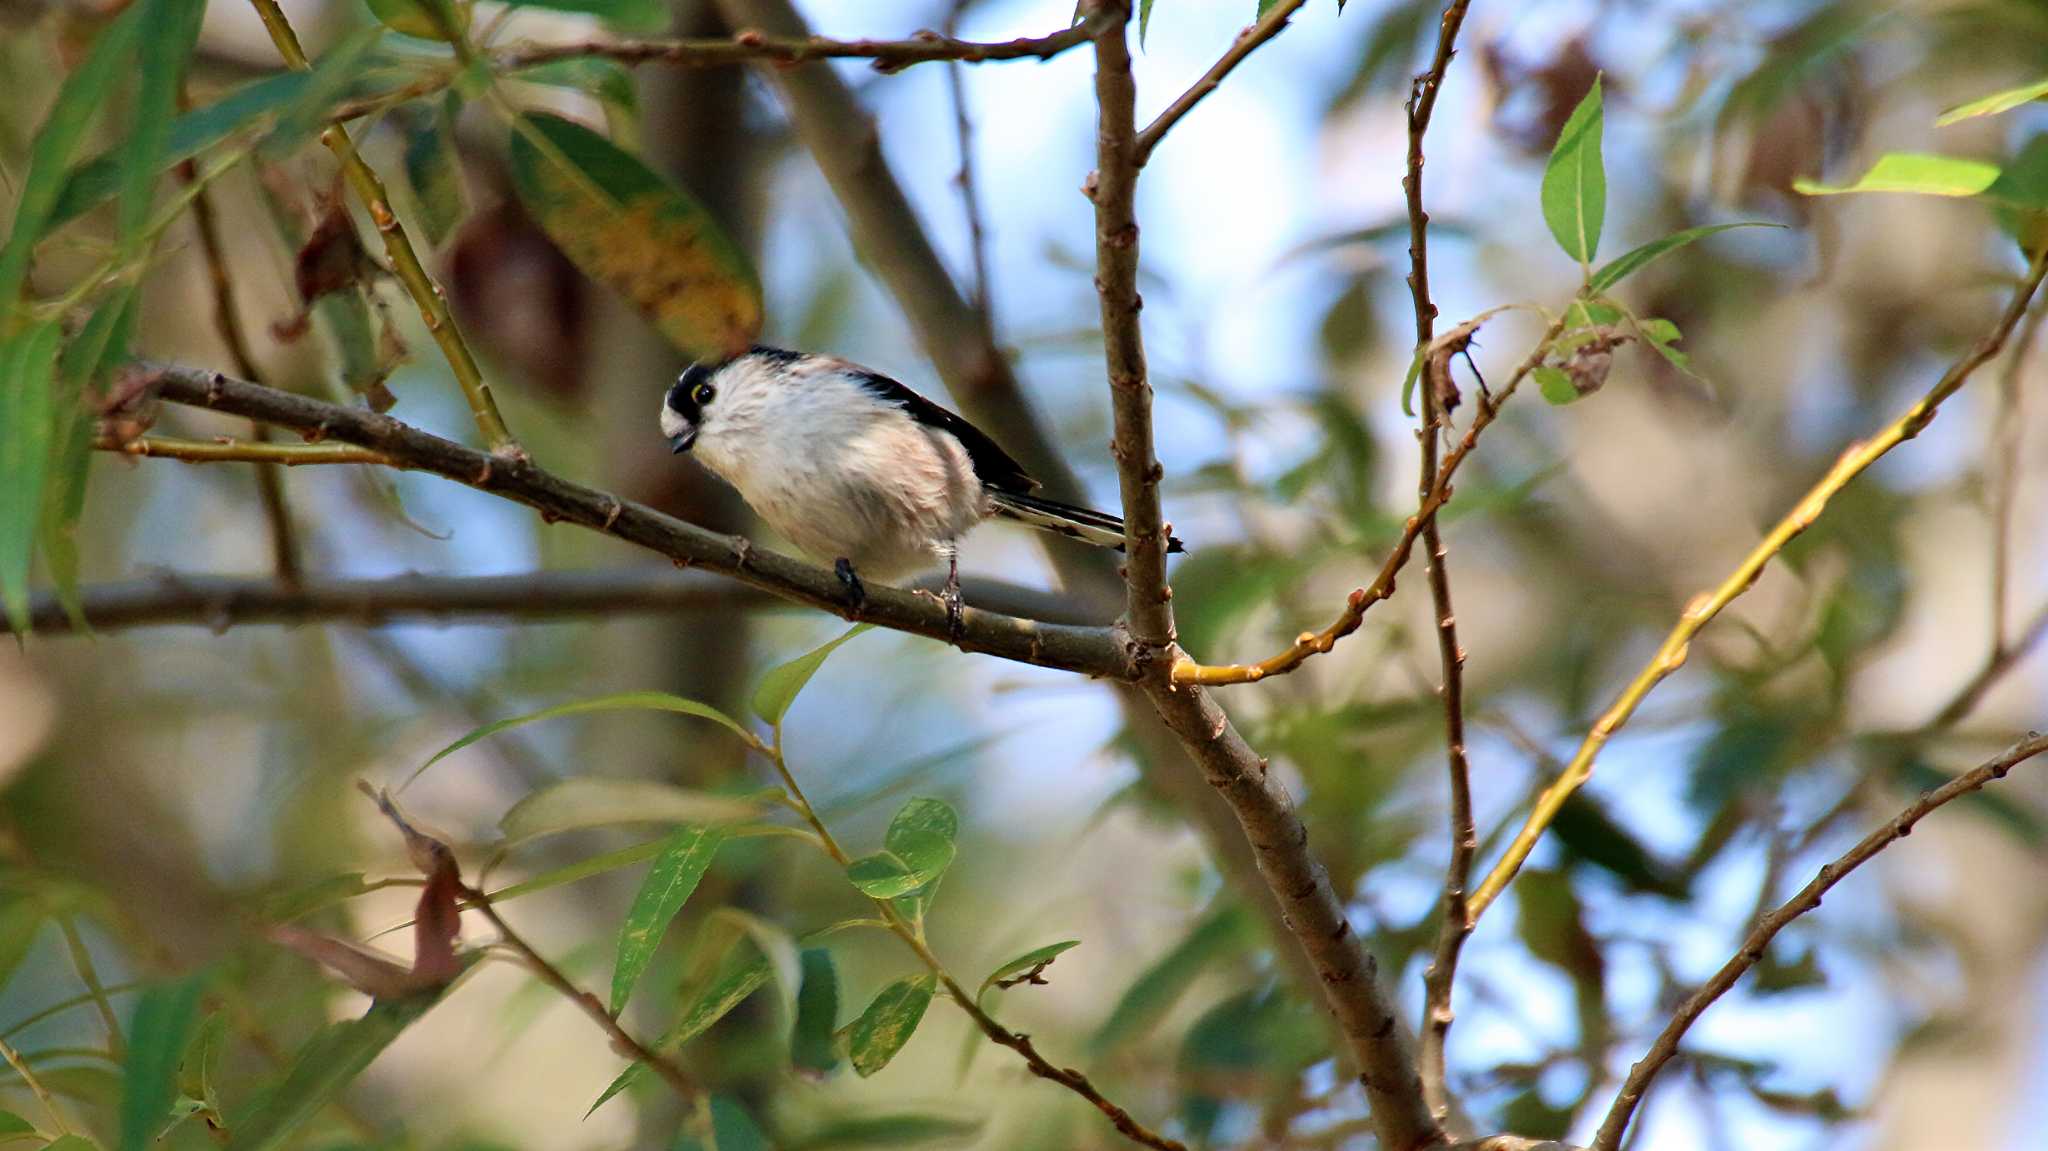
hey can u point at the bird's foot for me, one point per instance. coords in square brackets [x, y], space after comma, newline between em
[956, 611]
[856, 595]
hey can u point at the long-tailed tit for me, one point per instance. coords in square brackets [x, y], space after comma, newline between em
[853, 467]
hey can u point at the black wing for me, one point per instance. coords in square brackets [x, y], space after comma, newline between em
[992, 465]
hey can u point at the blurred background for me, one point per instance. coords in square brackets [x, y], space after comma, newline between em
[162, 784]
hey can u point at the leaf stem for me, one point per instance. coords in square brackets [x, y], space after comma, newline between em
[35, 1086]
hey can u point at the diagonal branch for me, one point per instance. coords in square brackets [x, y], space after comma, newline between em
[1704, 607]
[1809, 897]
[1268, 26]
[1089, 650]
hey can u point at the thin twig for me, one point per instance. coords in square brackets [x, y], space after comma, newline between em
[1809, 897]
[405, 261]
[913, 937]
[970, 200]
[1704, 607]
[222, 602]
[749, 46]
[1089, 650]
[240, 451]
[2000, 660]
[284, 547]
[89, 975]
[1455, 925]
[627, 1046]
[35, 1086]
[1247, 42]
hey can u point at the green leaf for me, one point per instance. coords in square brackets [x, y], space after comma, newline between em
[324, 1067]
[21, 920]
[334, 75]
[1913, 172]
[1144, 20]
[811, 1046]
[740, 973]
[1161, 985]
[779, 687]
[427, 19]
[100, 346]
[580, 803]
[1575, 181]
[434, 169]
[1414, 376]
[72, 1143]
[732, 1129]
[919, 848]
[888, 1023]
[83, 93]
[1995, 103]
[27, 427]
[98, 179]
[1034, 960]
[607, 80]
[624, 701]
[908, 1129]
[306, 898]
[685, 856]
[627, 15]
[165, 1017]
[201, 1071]
[628, 228]
[1634, 260]
[1555, 384]
[581, 869]
[12, 1125]
[170, 30]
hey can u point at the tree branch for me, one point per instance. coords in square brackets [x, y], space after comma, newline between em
[1809, 897]
[241, 451]
[1705, 606]
[1455, 925]
[222, 602]
[1247, 42]
[1089, 650]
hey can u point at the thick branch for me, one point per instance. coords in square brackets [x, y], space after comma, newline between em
[749, 46]
[1114, 187]
[1455, 924]
[1809, 897]
[1093, 651]
[222, 602]
[1705, 606]
[1247, 42]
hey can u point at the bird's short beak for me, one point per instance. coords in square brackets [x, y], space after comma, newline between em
[679, 444]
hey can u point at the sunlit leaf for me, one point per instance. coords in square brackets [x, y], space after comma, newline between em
[1575, 181]
[888, 1023]
[580, 803]
[919, 848]
[1629, 263]
[1144, 20]
[28, 362]
[1158, 987]
[811, 1046]
[427, 19]
[684, 858]
[158, 1033]
[638, 234]
[779, 687]
[1555, 384]
[1995, 103]
[624, 701]
[1033, 961]
[1914, 172]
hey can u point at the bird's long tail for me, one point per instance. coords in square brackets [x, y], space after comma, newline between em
[1089, 526]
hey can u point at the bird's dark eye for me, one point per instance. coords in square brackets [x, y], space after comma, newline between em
[703, 394]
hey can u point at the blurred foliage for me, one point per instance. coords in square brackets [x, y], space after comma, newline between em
[174, 808]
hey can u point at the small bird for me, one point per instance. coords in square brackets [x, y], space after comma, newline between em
[854, 468]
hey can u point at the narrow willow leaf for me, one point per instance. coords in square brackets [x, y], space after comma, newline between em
[1575, 181]
[335, 74]
[811, 1046]
[427, 19]
[1161, 985]
[1629, 263]
[685, 856]
[780, 948]
[170, 30]
[1144, 20]
[1914, 172]
[624, 701]
[21, 920]
[70, 1142]
[890, 1131]
[1555, 384]
[580, 803]
[99, 347]
[780, 686]
[324, 1067]
[434, 169]
[1995, 103]
[640, 235]
[164, 1020]
[12, 1125]
[83, 93]
[581, 869]
[731, 1129]
[740, 973]
[28, 363]
[1036, 959]
[607, 80]
[888, 1023]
